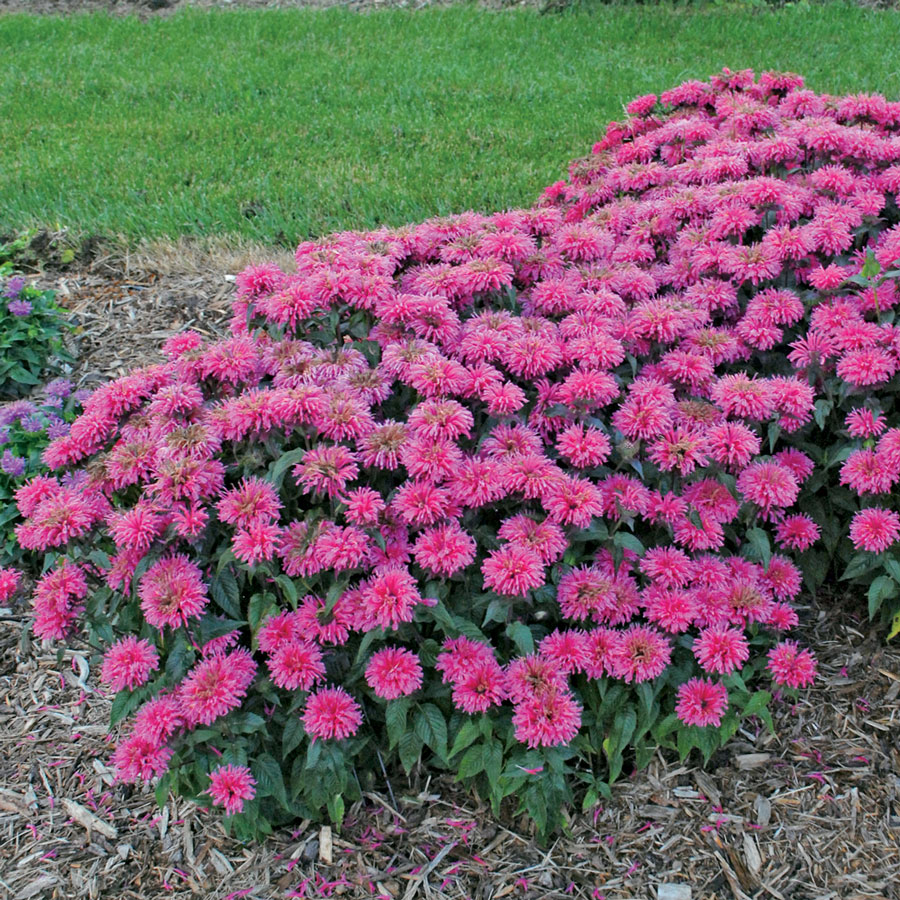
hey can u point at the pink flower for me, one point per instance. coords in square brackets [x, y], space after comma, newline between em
[459, 655]
[137, 758]
[159, 719]
[259, 541]
[513, 570]
[567, 650]
[798, 532]
[865, 367]
[230, 786]
[390, 597]
[641, 653]
[128, 663]
[792, 666]
[672, 609]
[547, 539]
[394, 672]
[444, 550]
[864, 423]
[701, 702]
[770, 486]
[480, 687]
[534, 674]
[215, 686]
[364, 506]
[721, 649]
[57, 600]
[732, 444]
[874, 529]
[867, 472]
[331, 713]
[667, 566]
[172, 591]
[297, 664]
[583, 447]
[9, 581]
[572, 501]
[326, 469]
[253, 500]
[547, 719]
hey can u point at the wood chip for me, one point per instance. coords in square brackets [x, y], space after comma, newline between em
[38, 886]
[747, 761]
[88, 820]
[326, 845]
[762, 806]
[751, 854]
[673, 892]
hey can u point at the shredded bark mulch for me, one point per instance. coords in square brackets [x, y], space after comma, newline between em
[811, 812]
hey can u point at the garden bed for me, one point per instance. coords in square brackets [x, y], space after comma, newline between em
[811, 811]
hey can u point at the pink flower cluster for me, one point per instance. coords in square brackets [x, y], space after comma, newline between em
[643, 350]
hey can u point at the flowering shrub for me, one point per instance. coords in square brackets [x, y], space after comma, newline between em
[525, 495]
[26, 428]
[31, 334]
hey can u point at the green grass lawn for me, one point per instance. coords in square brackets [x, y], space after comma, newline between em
[275, 125]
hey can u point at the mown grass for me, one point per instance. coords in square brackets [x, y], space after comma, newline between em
[278, 124]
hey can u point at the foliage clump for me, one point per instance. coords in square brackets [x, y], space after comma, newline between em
[523, 496]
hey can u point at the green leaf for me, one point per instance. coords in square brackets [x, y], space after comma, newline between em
[465, 737]
[472, 762]
[758, 541]
[280, 466]
[269, 779]
[258, 609]
[493, 761]
[520, 634]
[893, 568]
[822, 412]
[431, 727]
[409, 748]
[860, 564]
[882, 588]
[871, 267]
[628, 542]
[294, 733]
[179, 659]
[895, 627]
[226, 593]
[243, 721]
[757, 703]
[124, 704]
[336, 809]
[395, 719]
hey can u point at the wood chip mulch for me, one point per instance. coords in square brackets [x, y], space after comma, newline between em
[121, 322]
[811, 812]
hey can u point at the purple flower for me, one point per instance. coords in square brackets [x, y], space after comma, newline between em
[12, 465]
[33, 424]
[82, 395]
[4, 434]
[19, 307]
[14, 287]
[57, 430]
[59, 388]
[12, 412]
